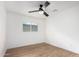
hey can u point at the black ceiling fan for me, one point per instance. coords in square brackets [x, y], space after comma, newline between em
[41, 8]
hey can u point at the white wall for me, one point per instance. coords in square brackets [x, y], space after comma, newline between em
[2, 28]
[15, 35]
[63, 29]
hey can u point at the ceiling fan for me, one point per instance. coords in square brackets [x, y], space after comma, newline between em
[41, 8]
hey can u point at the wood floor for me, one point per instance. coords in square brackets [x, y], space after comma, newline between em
[39, 50]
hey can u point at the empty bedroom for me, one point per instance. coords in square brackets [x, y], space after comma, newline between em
[39, 28]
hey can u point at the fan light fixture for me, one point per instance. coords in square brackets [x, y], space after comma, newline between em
[41, 12]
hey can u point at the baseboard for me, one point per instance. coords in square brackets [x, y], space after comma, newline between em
[27, 45]
[62, 47]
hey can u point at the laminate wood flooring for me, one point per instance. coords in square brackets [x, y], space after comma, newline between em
[39, 50]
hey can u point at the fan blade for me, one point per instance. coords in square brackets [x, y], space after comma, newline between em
[46, 14]
[47, 3]
[34, 11]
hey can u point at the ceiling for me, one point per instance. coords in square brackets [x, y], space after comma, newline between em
[23, 7]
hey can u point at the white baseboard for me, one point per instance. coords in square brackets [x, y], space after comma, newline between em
[62, 47]
[26, 45]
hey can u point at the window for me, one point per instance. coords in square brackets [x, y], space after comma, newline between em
[26, 28]
[30, 27]
[34, 28]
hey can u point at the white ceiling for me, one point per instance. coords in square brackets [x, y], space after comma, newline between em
[24, 6]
